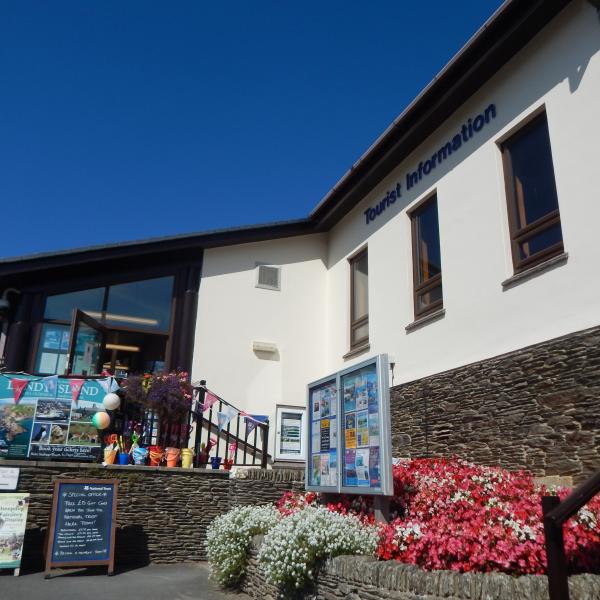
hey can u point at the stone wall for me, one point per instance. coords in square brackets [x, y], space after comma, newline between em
[162, 513]
[365, 578]
[537, 408]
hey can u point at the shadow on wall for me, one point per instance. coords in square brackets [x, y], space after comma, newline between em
[557, 57]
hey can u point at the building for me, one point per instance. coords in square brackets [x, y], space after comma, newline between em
[463, 244]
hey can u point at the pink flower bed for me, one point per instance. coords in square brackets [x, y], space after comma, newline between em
[464, 517]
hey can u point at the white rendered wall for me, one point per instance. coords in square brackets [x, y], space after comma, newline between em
[309, 318]
[233, 313]
[561, 69]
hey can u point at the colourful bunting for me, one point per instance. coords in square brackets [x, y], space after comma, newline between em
[114, 386]
[223, 420]
[226, 415]
[76, 385]
[209, 400]
[51, 383]
[18, 386]
[105, 384]
[250, 424]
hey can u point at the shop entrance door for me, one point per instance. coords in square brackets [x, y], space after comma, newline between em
[86, 345]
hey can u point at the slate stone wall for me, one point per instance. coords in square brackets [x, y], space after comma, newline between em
[163, 513]
[537, 408]
[364, 578]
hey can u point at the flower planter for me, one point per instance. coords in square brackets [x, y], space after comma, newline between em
[203, 460]
[228, 464]
[123, 458]
[215, 462]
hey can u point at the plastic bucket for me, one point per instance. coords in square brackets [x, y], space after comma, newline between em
[123, 458]
[156, 455]
[109, 456]
[172, 455]
[140, 455]
[215, 462]
[187, 454]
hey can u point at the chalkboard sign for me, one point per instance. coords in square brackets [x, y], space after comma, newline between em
[82, 524]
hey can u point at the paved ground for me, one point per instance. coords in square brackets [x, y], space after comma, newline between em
[155, 582]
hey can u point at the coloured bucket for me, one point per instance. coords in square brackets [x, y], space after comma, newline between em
[140, 455]
[123, 458]
[172, 455]
[156, 455]
[187, 454]
[109, 456]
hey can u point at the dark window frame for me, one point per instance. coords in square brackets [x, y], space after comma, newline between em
[106, 280]
[420, 288]
[362, 321]
[521, 235]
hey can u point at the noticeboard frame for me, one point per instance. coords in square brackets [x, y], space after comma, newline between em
[52, 528]
[381, 364]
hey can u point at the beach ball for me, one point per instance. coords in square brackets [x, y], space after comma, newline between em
[101, 420]
[111, 401]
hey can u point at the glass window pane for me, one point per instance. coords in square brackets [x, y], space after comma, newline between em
[533, 174]
[540, 241]
[426, 299]
[141, 304]
[360, 293]
[61, 307]
[52, 352]
[87, 351]
[427, 244]
[360, 333]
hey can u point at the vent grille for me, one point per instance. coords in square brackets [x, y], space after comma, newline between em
[268, 277]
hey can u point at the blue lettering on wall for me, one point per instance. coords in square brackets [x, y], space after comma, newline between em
[425, 167]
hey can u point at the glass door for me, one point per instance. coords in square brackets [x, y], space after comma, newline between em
[86, 345]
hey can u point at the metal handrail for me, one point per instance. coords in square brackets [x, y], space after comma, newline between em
[227, 435]
[555, 513]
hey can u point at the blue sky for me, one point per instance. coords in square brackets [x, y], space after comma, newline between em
[128, 120]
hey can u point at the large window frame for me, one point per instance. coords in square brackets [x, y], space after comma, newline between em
[422, 287]
[106, 281]
[521, 235]
[363, 320]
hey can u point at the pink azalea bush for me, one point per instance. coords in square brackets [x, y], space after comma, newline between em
[465, 517]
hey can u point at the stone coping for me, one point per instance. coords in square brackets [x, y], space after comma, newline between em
[52, 464]
[364, 577]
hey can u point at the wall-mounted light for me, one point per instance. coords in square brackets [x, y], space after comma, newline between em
[267, 347]
[123, 347]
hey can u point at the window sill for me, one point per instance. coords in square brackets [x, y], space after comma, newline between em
[421, 321]
[356, 351]
[534, 271]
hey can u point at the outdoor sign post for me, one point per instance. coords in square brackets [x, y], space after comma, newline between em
[348, 433]
[13, 519]
[81, 531]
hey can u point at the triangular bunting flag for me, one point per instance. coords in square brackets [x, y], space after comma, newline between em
[76, 385]
[226, 415]
[114, 386]
[223, 420]
[18, 386]
[209, 400]
[51, 383]
[105, 384]
[250, 425]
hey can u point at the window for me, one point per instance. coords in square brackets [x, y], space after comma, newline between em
[359, 299]
[427, 265]
[533, 214]
[128, 309]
